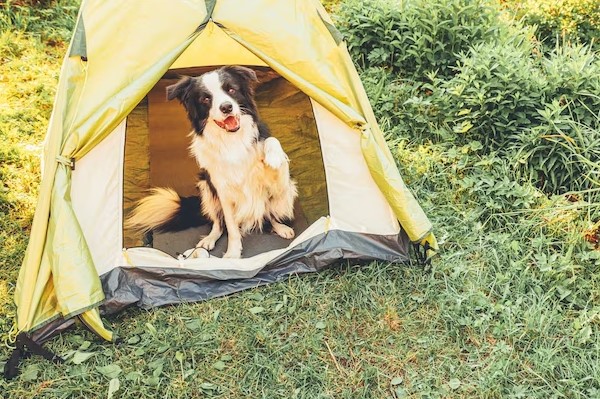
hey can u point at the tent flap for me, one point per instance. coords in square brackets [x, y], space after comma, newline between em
[58, 276]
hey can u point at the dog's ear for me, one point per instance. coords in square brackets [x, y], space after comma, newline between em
[245, 73]
[179, 89]
[184, 92]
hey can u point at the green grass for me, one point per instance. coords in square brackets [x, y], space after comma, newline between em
[510, 308]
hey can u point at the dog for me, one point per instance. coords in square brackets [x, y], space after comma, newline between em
[244, 181]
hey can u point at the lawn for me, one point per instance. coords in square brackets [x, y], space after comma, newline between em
[509, 309]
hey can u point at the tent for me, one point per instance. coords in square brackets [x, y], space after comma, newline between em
[113, 135]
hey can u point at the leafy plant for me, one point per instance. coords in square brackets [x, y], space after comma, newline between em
[560, 21]
[403, 107]
[573, 76]
[561, 154]
[418, 36]
[51, 19]
[495, 94]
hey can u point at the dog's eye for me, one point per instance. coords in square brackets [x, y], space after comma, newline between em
[206, 100]
[231, 90]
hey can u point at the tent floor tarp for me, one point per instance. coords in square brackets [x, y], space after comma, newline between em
[149, 287]
[176, 243]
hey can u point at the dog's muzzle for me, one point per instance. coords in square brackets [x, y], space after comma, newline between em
[231, 123]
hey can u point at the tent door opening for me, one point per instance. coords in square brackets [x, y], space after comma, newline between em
[156, 155]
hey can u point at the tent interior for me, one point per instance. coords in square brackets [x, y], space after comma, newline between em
[157, 140]
[156, 155]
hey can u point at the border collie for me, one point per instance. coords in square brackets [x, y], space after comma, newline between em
[244, 178]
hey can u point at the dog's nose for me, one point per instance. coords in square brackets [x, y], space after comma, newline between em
[226, 108]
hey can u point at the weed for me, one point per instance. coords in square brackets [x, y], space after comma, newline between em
[51, 20]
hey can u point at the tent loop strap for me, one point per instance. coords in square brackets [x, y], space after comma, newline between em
[25, 347]
[70, 162]
[364, 129]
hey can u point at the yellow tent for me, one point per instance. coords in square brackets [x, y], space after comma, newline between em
[107, 143]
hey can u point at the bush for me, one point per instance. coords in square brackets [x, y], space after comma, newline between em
[542, 113]
[495, 95]
[561, 154]
[573, 76]
[560, 21]
[538, 112]
[562, 151]
[415, 37]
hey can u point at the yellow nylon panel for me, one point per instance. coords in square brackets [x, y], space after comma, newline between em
[214, 47]
[388, 179]
[34, 294]
[92, 319]
[292, 39]
[76, 279]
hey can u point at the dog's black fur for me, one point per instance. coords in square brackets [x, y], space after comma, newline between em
[197, 100]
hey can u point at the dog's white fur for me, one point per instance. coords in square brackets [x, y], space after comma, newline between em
[252, 181]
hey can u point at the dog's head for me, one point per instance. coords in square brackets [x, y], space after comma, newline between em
[221, 96]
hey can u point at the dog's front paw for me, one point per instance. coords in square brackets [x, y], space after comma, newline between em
[233, 254]
[275, 157]
[195, 253]
[283, 231]
[207, 243]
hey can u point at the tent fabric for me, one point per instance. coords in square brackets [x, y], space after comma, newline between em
[58, 278]
[136, 165]
[92, 99]
[149, 287]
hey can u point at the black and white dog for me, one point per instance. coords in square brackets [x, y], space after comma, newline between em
[244, 178]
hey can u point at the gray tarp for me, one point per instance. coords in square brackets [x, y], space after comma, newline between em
[149, 287]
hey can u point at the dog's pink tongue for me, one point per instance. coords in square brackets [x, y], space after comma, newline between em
[231, 123]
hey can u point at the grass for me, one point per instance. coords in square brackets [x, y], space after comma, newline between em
[510, 308]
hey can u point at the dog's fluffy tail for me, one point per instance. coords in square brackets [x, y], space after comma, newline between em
[164, 210]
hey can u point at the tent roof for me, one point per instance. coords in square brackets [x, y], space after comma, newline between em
[213, 46]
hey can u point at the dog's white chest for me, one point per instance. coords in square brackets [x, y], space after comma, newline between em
[229, 158]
